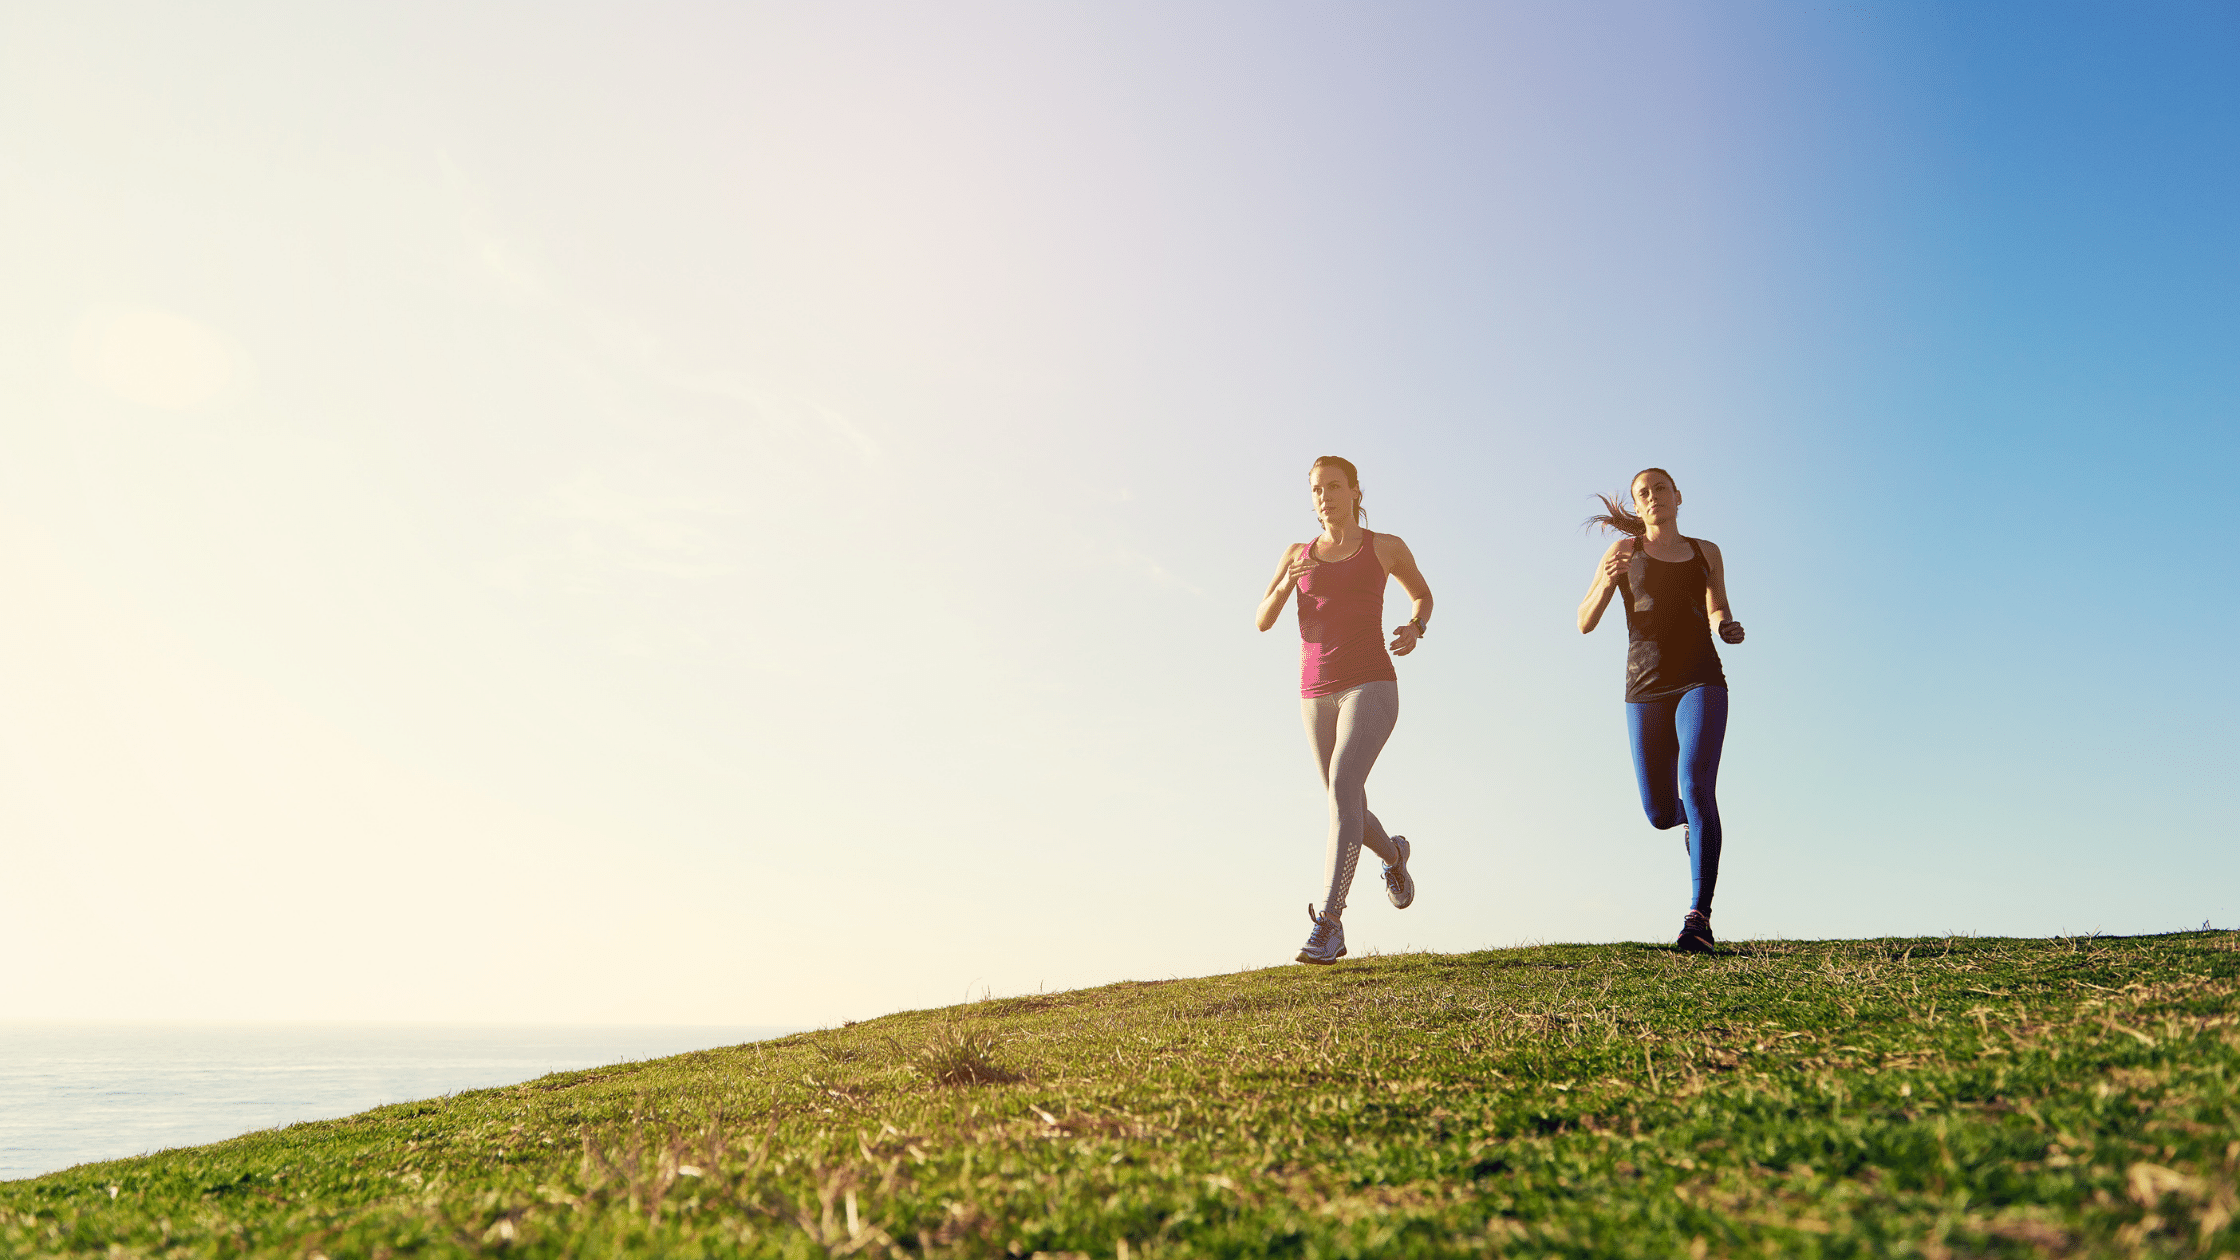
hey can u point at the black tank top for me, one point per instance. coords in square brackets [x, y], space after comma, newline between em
[1668, 633]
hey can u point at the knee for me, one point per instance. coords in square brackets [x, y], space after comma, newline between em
[1699, 799]
[1666, 817]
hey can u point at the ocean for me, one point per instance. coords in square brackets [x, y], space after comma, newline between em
[75, 1093]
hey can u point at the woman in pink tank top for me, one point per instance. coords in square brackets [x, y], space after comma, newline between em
[1349, 696]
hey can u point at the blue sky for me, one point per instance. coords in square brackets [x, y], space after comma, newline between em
[750, 514]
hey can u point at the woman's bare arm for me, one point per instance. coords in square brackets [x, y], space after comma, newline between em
[1715, 594]
[1400, 563]
[1297, 559]
[1607, 571]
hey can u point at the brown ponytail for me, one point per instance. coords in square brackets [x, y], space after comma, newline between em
[1618, 514]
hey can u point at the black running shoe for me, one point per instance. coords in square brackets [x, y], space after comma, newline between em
[1695, 934]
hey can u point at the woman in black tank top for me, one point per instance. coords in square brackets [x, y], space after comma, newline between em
[1675, 589]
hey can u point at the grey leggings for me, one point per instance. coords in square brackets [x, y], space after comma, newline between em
[1348, 730]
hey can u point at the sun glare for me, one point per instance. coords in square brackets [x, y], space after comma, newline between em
[155, 359]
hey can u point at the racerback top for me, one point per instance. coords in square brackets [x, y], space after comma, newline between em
[1668, 632]
[1341, 623]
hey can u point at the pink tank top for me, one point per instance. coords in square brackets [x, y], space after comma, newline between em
[1341, 623]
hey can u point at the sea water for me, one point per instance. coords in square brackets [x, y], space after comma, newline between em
[75, 1093]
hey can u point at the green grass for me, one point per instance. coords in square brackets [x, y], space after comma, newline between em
[1894, 1097]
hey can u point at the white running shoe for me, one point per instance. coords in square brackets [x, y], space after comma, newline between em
[1327, 943]
[1399, 885]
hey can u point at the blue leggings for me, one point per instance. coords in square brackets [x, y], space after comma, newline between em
[1676, 757]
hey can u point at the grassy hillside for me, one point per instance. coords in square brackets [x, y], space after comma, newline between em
[1896, 1097]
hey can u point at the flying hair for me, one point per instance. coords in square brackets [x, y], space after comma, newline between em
[1618, 514]
[1353, 478]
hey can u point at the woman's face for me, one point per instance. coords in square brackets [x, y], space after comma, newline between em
[1333, 497]
[1655, 497]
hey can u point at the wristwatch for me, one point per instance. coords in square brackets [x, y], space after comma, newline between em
[1422, 627]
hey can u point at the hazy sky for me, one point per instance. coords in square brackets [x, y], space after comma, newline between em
[752, 513]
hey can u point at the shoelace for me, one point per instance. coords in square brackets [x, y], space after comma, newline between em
[1395, 873]
[1321, 934]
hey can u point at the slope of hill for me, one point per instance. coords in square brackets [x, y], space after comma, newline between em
[1890, 1097]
